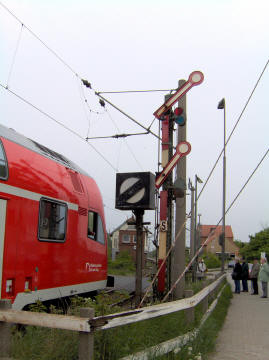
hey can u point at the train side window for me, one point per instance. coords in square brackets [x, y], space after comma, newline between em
[95, 227]
[52, 221]
[3, 163]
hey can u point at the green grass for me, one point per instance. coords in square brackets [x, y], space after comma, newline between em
[123, 265]
[50, 344]
[205, 342]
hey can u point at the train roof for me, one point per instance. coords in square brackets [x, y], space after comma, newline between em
[14, 136]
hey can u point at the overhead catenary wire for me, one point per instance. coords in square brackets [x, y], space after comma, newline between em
[125, 142]
[59, 123]
[41, 41]
[128, 116]
[134, 91]
[116, 136]
[14, 55]
[237, 122]
[85, 82]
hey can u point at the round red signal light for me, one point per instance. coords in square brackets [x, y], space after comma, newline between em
[178, 111]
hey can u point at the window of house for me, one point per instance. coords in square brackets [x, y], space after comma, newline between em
[3, 163]
[126, 238]
[134, 238]
[52, 220]
[95, 227]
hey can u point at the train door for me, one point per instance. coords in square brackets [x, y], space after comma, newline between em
[3, 206]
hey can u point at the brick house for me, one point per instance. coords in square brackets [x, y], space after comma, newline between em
[124, 239]
[231, 249]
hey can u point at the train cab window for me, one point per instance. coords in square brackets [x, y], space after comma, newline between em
[3, 163]
[52, 221]
[95, 227]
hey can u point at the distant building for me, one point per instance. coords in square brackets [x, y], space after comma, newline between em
[231, 249]
[124, 239]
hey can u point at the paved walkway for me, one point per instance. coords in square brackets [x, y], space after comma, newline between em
[245, 333]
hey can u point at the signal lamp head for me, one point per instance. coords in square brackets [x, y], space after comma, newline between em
[178, 111]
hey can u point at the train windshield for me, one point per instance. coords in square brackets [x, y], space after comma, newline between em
[3, 163]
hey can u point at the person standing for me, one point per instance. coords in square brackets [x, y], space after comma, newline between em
[201, 269]
[245, 275]
[254, 276]
[236, 276]
[264, 276]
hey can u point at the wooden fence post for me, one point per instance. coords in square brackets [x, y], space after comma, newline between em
[205, 304]
[5, 331]
[189, 313]
[86, 340]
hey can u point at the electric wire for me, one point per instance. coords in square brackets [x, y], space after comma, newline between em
[229, 137]
[71, 69]
[14, 55]
[59, 123]
[253, 172]
[213, 231]
[128, 116]
[41, 41]
[134, 91]
[204, 243]
[116, 136]
[126, 143]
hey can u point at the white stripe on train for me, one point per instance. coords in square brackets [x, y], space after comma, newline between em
[26, 194]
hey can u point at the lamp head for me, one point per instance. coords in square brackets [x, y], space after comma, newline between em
[221, 104]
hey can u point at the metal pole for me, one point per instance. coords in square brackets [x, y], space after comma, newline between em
[224, 192]
[195, 215]
[139, 255]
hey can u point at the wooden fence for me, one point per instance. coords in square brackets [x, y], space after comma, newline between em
[87, 324]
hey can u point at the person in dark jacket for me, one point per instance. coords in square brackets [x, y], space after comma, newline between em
[254, 276]
[236, 275]
[245, 274]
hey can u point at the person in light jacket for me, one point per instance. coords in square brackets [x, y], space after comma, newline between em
[264, 276]
[254, 276]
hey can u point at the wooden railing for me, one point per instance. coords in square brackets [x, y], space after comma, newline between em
[87, 324]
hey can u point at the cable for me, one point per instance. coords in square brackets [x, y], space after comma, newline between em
[204, 243]
[133, 91]
[129, 148]
[59, 123]
[14, 55]
[42, 42]
[239, 118]
[85, 82]
[128, 116]
[213, 231]
[117, 136]
[253, 172]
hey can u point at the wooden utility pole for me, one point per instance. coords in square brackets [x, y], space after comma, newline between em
[139, 255]
[179, 249]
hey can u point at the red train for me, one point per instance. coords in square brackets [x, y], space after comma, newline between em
[52, 228]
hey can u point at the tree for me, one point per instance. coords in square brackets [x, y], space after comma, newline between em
[257, 244]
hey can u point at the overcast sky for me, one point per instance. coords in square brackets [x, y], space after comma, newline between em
[140, 45]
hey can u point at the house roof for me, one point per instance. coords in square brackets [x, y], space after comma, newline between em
[118, 227]
[206, 229]
[131, 219]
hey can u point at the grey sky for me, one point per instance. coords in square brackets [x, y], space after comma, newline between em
[125, 45]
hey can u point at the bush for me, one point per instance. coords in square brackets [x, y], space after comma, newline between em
[211, 261]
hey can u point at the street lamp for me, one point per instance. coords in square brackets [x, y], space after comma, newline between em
[222, 106]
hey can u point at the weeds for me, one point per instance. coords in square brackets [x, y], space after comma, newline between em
[51, 344]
